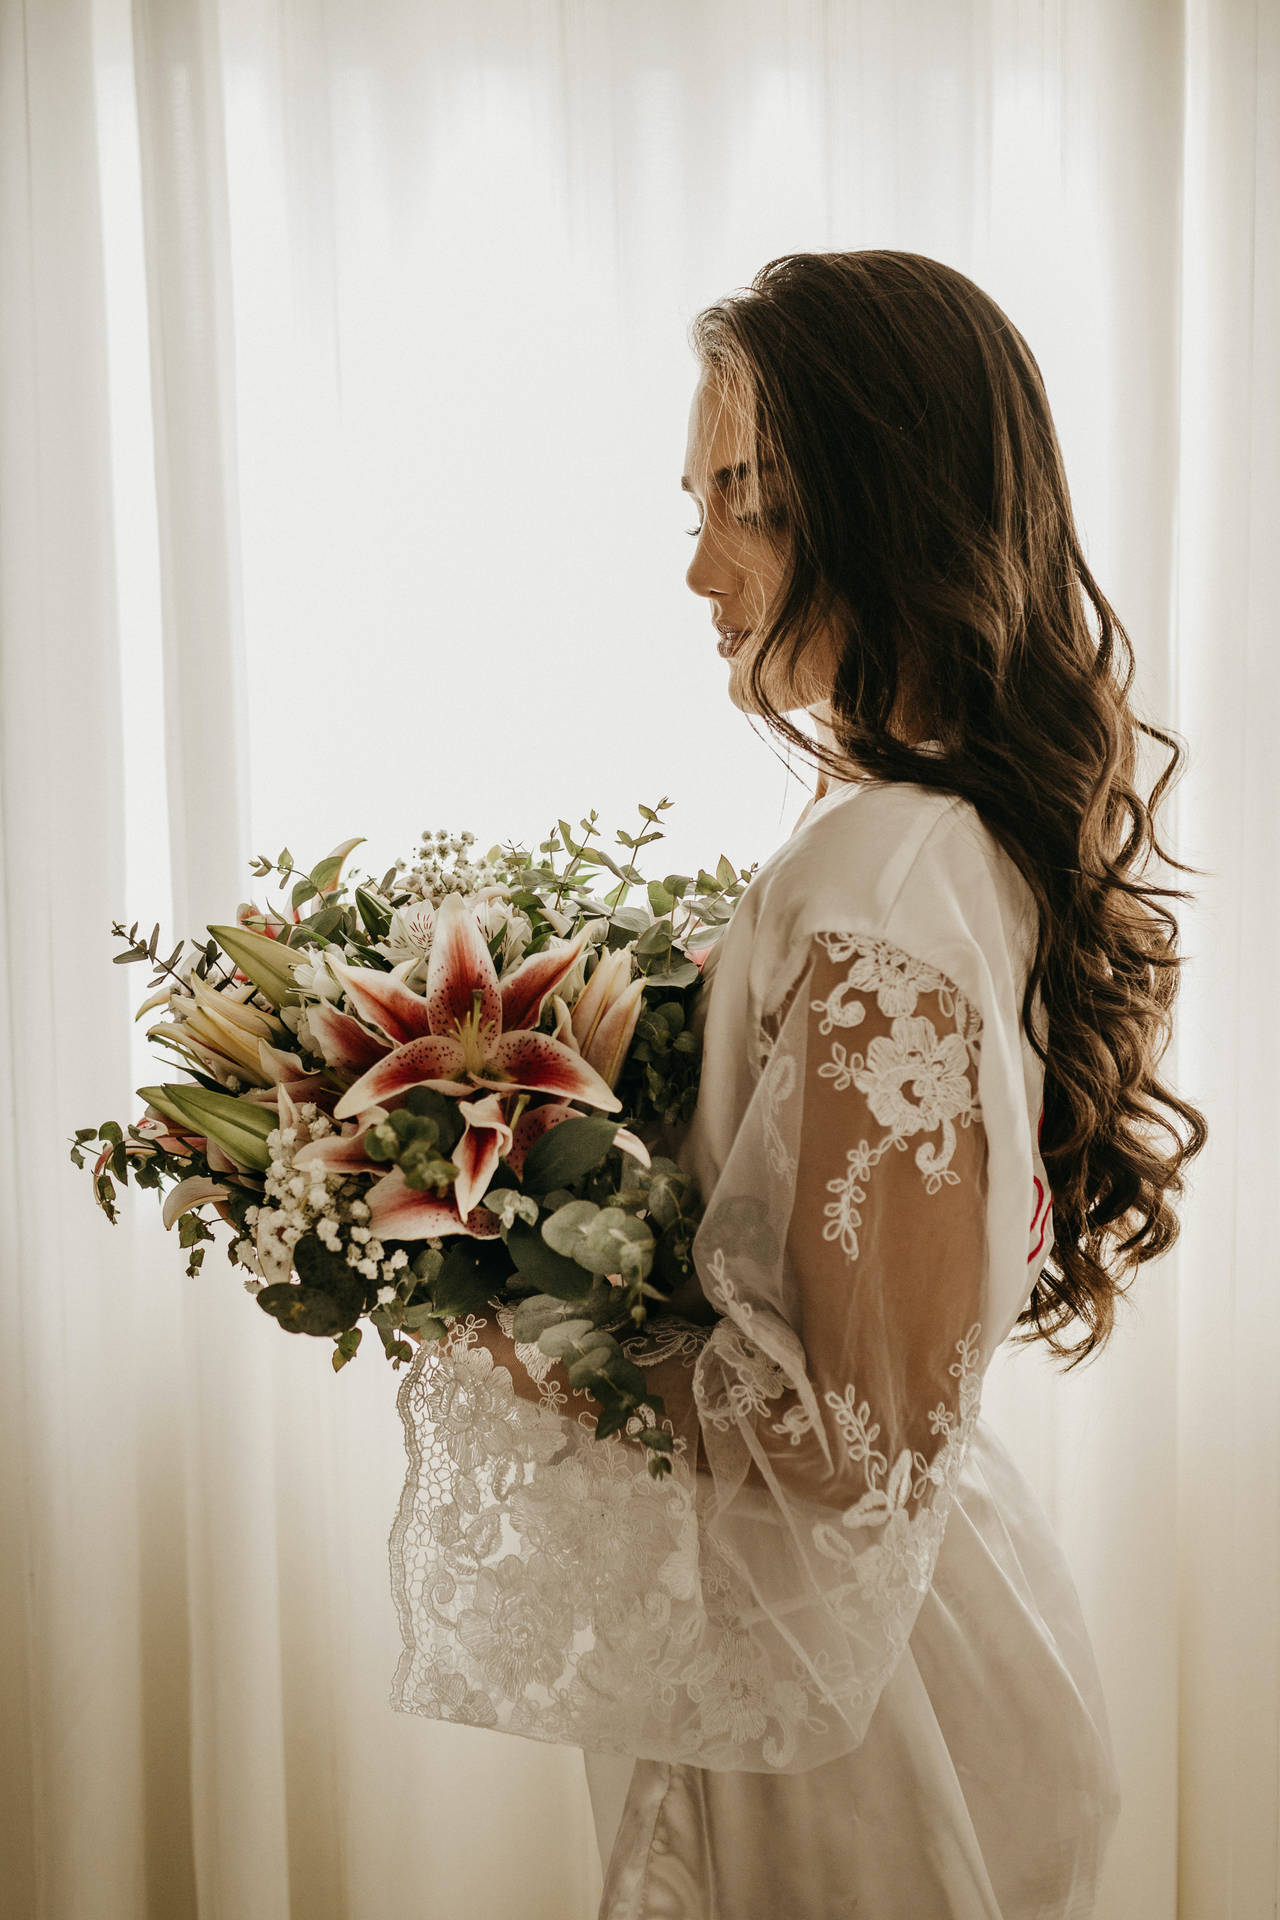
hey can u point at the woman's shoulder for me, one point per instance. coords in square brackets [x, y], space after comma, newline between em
[853, 852]
[900, 863]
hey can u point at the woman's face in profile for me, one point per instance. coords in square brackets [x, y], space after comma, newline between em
[740, 559]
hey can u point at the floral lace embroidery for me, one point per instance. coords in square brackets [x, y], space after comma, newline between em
[911, 1055]
[551, 1588]
[547, 1586]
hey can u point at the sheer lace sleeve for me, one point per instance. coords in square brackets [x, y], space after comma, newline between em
[746, 1612]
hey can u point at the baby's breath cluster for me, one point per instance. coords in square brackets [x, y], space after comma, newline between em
[445, 864]
[304, 1199]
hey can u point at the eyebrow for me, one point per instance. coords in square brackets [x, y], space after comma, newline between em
[724, 475]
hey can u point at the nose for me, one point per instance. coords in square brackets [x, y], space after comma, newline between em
[707, 573]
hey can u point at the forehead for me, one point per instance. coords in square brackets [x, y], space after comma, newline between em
[720, 450]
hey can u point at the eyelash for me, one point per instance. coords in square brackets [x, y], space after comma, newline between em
[743, 519]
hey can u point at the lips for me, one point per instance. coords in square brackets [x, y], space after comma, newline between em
[731, 638]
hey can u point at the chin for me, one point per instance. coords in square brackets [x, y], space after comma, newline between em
[786, 701]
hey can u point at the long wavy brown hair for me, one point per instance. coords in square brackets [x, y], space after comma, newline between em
[918, 502]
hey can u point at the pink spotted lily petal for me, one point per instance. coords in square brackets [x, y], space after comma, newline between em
[398, 1211]
[385, 1000]
[543, 1065]
[436, 1061]
[338, 1153]
[460, 966]
[526, 987]
[484, 1141]
[343, 1043]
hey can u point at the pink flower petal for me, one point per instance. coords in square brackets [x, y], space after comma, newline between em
[433, 1061]
[631, 1143]
[338, 1153]
[485, 1139]
[526, 987]
[343, 1043]
[398, 1211]
[381, 998]
[536, 1061]
[191, 1192]
[460, 965]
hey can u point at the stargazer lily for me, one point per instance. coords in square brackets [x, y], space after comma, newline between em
[469, 1030]
[398, 1211]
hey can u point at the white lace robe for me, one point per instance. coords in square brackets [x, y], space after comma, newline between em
[836, 1653]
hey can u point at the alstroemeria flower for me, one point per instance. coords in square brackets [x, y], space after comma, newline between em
[469, 1030]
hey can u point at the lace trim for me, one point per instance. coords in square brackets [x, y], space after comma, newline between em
[547, 1586]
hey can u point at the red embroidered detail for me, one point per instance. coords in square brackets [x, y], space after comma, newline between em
[1048, 1199]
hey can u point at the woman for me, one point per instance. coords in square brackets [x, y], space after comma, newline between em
[836, 1665]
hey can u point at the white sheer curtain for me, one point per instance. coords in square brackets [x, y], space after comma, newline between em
[343, 385]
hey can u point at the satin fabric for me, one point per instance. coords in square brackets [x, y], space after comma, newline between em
[985, 1787]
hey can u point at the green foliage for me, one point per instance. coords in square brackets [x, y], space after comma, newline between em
[589, 1239]
[471, 1272]
[327, 1298]
[346, 1347]
[542, 1266]
[565, 1153]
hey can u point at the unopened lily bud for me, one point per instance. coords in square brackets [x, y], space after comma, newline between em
[609, 980]
[611, 1041]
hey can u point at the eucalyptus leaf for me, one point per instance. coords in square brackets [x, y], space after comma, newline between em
[563, 1154]
[309, 1310]
[616, 1242]
[320, 1267]
[612, 1420]
[632, 918]
[682, 973]
[558, 1339]
[536, 1313]
[564, 1230]
[471, 1271]
[553, 1272]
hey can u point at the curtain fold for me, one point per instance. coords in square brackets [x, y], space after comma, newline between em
[70, 1733]
[343, 383]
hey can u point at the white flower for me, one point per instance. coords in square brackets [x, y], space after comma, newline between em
[496, 915]
[409, 936]
[385, 1296]
[314, 977]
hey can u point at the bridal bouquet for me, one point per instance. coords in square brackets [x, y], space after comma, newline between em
[437, 1090]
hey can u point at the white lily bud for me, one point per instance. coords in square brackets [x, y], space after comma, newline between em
[613, 971]
[611, 1041]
